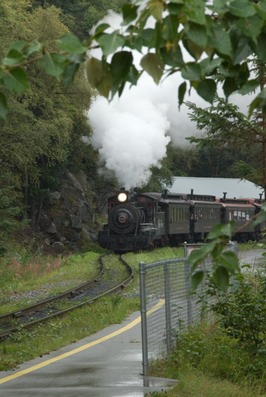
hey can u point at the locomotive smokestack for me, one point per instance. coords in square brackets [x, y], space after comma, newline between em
[165, 193]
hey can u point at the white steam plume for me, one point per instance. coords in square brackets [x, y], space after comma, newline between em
[130, 134]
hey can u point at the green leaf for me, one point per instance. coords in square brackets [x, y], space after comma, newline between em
[173, 57]
[99, 76]
[156, 8]
[255, 104]
[222, 231]
[153, 65]
[194, 10]
[94, 69]
[110, 42]
[251, 27]
[260, 47]
[197, 256]
[101, 28]
[196, 279]
[13, 57]
[248, 87]
[191, 71]
[220, 40]
[3, 107]
[229, 260]
[242, 8]
[230, 85]
[70, 43]
[133, 75]
[221, 278]
[34, 47]
[181, 93]
[197, 34]
[120, 66]
[18, 45]
[53, 64]
[69, 73]
[193, 49]
[149, 38]
[174, 9]
[207, 89]
[242, 51]
[130, 13]
[16, 80]
[209, 66]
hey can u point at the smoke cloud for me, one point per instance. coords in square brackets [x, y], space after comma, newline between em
[132, 132]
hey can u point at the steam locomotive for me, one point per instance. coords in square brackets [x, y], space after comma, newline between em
[138, 221]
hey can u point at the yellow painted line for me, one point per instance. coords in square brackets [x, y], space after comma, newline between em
[81, 348]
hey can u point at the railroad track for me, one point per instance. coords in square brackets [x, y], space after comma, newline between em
[107, 281]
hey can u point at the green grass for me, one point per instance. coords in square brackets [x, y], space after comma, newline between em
[209, 363]
[43, 276]
[192, 383]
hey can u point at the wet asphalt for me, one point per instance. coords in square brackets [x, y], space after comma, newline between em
[107, 364]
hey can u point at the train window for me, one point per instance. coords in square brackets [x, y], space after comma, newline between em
[179, 214]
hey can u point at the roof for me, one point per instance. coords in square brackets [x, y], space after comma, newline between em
[234, 187]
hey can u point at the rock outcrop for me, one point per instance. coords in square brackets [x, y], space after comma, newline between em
[68, 217]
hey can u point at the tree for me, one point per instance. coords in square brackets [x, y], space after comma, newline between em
[81, 15]
[37, 139]
[230, 132]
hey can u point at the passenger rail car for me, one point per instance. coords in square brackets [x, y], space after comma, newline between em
[138, 221]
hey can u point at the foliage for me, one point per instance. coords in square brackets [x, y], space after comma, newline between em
[221, 39]
[225, 262]
[214, 160]
[228, 130]
[81, 15]
[10, 206]
[160, 177]
[242, 312]
[42, 136]
[208, 350]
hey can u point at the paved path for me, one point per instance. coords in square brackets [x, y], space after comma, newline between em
[107, 364]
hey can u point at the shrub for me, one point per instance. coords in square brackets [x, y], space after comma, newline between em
[242, 312]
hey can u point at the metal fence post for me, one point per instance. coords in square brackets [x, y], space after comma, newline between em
[187, 270]
[167, 294]
[143, 311]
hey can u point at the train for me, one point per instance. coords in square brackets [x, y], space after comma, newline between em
[140, 221]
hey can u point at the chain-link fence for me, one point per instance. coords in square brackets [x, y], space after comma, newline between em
[169, 282]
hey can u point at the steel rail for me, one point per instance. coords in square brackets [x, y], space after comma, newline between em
[20, 315]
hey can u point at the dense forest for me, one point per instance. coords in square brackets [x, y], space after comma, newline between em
[41, 140]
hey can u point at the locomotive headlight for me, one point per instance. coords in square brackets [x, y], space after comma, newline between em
[122, 197]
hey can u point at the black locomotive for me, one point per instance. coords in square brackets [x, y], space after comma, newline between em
[138, 221]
